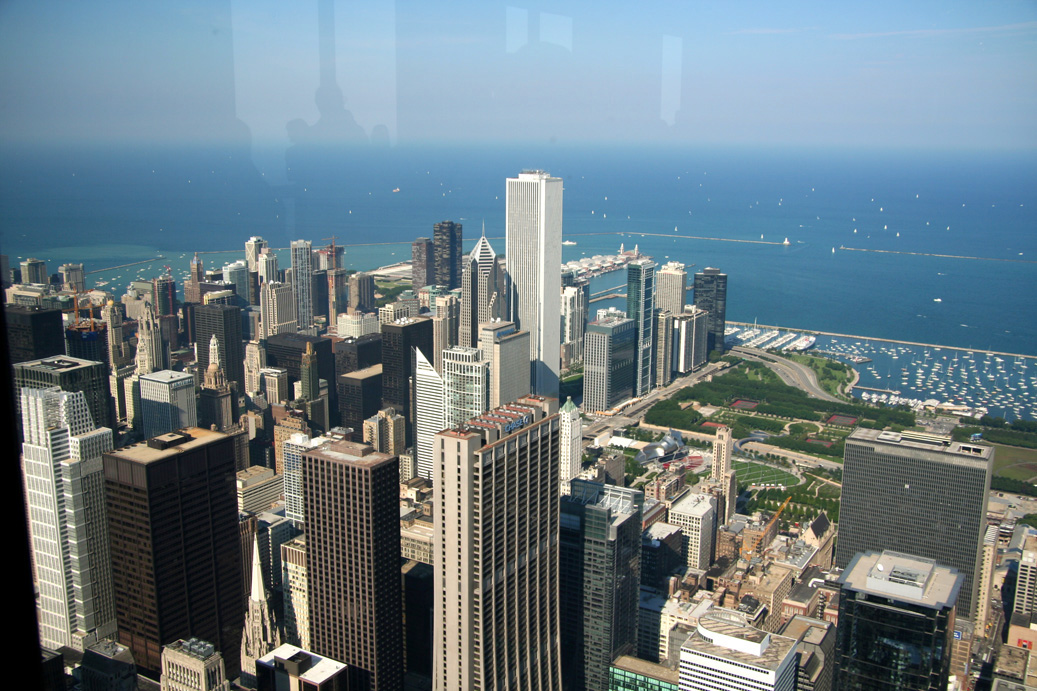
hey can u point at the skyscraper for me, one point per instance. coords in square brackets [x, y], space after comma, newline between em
[70, 374]
[237, 274]
[446, 248]
[641, 308]
[574, 324]
[445, 400]
[64, 490]
[608, 363]
[223, 321]
[72, 277]
[34, 333]
[696, 516]
[671, 283]
[918, 494]
[353, 560]
[506, 350]
[423, 263]
[266, 266]
[254, 247]
[216, 405]
[663, 356]
[176, 555]
[570, 443]
[167, 402]
[361, 292]
[34, 271]
[260, 635]
[496, 544]
[484, 292]
[445, 324]
[600, 580]
[164, 295]
[534, 261]
[398, 364]
[896, 623]
[711, 295]
[302, 277]
[690, 342]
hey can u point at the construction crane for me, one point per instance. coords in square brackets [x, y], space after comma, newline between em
[334, 254]
[766, 528]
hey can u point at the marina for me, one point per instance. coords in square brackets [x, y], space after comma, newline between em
[923, 376]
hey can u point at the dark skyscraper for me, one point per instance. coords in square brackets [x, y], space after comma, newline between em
[896, 623]
[446, 246]
[88, 340]
[353, 560]
[360, 397]
[398, 364]
[164, 294]
[225, 322]
[919, 494]
[423, 262]
[70, 374]
[287, 350]
[711, 295]
[176, 559]
[641, 308]
[600, 579]
[33, 333]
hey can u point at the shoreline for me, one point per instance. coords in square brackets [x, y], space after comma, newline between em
[886, 340]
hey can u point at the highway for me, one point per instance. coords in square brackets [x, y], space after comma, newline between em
[792, 373]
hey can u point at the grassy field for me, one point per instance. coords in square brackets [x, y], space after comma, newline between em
[758, 474]
[1015, 462]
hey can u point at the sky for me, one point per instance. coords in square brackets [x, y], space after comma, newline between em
[943, 75]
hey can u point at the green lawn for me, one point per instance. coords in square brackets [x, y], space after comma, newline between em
[756, 473]
[1015, 462]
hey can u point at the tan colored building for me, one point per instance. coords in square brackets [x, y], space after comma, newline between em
[497, 529]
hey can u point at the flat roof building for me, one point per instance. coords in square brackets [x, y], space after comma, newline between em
[175, 548]
[918, 494]
[726, 652]
[896, 622]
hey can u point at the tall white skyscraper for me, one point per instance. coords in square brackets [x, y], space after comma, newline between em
[723, 448]
[302, 278]
[428, 395]
[671, 284]
[167, 402]
[277, 307]
[64, 490]
[570, 443]
[534, 261]
[574, 324]
[255, 361]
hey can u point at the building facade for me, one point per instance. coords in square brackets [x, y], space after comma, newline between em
[64, 491]
[711, 296]
[896, 623]
[484, 292]
[917, 494]
[353, 559]
[496, 521]
[167, 402]
[534, 262]
[302, 279]
[176, 555]
[609, 360]
[641, 309]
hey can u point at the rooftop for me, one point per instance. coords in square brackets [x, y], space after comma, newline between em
[724, 634]
[629, 663]
[923, 442]
[168, 445]
[904, 578]
[320, 669]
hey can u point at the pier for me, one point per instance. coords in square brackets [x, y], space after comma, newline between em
[123, 266]
[868, 388]
[941, 256]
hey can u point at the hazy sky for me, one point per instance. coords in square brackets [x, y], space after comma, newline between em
[880, 74]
